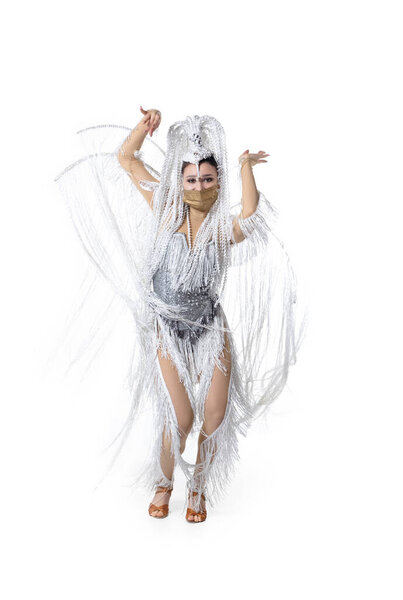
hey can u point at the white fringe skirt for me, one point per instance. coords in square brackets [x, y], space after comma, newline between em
[195, 363]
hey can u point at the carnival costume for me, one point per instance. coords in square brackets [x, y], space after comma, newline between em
[183, 299]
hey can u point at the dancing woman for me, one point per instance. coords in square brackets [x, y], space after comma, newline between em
[212, 299]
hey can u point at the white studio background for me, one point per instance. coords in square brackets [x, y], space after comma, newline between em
[315, 509]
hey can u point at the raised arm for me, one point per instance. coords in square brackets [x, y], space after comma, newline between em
[250, 194]
[134, 166]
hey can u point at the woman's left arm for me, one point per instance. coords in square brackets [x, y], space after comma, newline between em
[250, 194]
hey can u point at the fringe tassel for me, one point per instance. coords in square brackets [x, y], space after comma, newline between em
[255, 228]
[219, 451]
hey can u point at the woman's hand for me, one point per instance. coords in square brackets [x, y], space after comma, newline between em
[152, 118]
[254, 159]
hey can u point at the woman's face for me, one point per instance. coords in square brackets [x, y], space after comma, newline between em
[208, 177]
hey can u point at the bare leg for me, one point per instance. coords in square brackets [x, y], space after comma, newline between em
[215, 406]
[184, 415]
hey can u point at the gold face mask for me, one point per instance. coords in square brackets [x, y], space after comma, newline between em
[201, 199]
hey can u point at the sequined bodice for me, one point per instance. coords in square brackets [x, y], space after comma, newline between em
[163, 276]
[197, 302]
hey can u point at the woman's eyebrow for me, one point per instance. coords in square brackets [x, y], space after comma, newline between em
[205, 175]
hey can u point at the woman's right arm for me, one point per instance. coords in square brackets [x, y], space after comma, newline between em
[132, 143]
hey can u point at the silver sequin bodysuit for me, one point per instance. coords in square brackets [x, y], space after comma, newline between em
[198, 303]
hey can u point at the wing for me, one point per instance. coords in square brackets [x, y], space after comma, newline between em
[113, 222]
[260, 301]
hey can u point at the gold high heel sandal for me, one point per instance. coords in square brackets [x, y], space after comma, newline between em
[190, 512]
[164, 507]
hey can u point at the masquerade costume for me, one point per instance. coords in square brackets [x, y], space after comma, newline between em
[184, 301]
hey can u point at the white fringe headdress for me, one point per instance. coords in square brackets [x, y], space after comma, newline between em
[190, 141]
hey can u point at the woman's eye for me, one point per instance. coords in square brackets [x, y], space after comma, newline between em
[208, 179]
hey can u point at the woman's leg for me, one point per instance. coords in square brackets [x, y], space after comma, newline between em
[184, 415]
[217, 396]
[214, 410]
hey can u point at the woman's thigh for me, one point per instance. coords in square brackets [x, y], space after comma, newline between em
[217, 396]
[177, 392]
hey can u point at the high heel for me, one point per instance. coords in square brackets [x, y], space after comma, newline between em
[164, 507]
[190, 512]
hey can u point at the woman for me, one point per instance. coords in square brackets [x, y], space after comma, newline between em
[189, 271]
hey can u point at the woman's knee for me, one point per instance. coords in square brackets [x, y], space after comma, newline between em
[185, 423]
[184, 427]
[213, 417]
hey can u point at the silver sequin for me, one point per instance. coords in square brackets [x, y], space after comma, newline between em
[198, 304]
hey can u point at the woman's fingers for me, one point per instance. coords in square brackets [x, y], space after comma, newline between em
[259, 154]
[155, 122]
[151, 118]
[153, 125]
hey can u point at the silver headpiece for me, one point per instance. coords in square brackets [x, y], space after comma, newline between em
[198, 146]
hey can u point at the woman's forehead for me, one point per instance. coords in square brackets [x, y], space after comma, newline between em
[204, 168]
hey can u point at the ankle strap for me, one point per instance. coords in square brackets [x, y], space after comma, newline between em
[202, 494]
[161, 488]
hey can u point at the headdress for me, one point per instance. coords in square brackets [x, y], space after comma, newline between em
[192, 140]
[197, 139]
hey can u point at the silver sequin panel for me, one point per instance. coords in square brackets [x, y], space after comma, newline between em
[198, 304]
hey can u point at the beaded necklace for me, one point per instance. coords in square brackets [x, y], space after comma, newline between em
[215, 269]
[189, 227]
